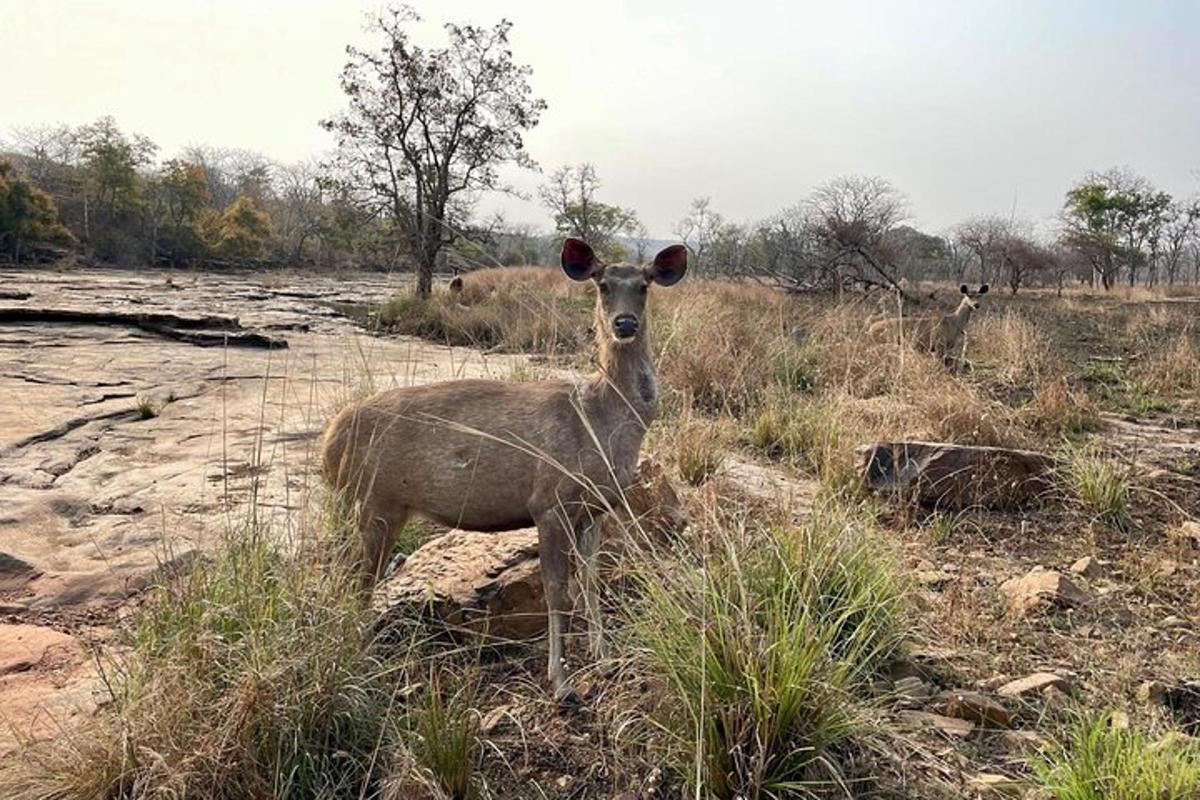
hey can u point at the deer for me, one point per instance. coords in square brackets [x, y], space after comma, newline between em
[937, 333]
[492, 455]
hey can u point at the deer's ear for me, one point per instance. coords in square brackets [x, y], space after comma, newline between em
[983, 289]
[964, 289]
[669, 265]
[578, 259]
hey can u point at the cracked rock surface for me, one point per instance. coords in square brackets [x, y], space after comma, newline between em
[121, 449]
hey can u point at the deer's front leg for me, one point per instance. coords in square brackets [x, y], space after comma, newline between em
[589, 555]
[554, 544]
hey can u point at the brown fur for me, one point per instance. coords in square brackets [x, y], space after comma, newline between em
[495, 455]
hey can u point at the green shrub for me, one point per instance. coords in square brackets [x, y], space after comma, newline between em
[1103, 762]
[760, 656]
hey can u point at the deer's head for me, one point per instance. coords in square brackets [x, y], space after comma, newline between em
[621, 288]
[970, 300]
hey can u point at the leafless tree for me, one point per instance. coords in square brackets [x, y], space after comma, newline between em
[698, 229]
[570, 194]
[981, 235]
[851, 218]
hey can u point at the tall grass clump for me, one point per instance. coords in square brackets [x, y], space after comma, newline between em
[1174, 369]
[1100, 761]
[252, 676]
[443, 731]
[812, 435]
[508, 309]
[700, 448]
[763, 655]
[724, 347]
[1101, 486]
[1015, 350]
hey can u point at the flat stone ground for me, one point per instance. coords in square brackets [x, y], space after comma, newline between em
[94, 497]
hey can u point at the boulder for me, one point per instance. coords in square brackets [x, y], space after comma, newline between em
[482, 583]
[948, 475]
[1041, 589]
[977, 708]
[1033, 684]
[490, 584]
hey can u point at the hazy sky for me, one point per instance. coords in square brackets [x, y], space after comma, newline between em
[968, 107]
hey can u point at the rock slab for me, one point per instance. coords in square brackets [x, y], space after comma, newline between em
[481, 583]
[1042, 589]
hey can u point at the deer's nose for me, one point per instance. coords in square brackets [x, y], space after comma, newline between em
[625, 325]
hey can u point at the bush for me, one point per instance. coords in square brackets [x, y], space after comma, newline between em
[250, 677]
[760, 655]
[1101, 487]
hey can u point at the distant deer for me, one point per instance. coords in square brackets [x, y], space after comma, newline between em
[497, 455]
[937, 333]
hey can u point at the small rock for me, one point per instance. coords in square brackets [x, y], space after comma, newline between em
[1042, 588]
[912, 691]
[1033, 684]
[1023, 740]
[1119, 721]
[977, 708]
[1054, 697]
[990, 784]
[563, 781]
[15, 572]
[958, 728]
[1189, 532]
[1086, 567]
[1152, 692]
[494, 720]
[993, 683]
[23, 647]
[934, 579]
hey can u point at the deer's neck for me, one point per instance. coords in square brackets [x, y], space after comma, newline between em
[625, 375]
[963, 314]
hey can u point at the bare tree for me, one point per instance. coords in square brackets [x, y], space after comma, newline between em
[981, 236]
[571, 195]
[852, 217]
[1181, 228]
[426, 129]
[698, 229]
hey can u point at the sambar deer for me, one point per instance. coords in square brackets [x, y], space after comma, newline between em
[490, 455]
[936, 333]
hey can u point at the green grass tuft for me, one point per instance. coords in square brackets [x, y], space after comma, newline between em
[760, 655]
[1103, 762]
[1101, 486]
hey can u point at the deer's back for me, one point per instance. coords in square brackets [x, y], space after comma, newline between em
[469, 453]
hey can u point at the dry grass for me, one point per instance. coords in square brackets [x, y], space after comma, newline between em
[510, 309]
[1015, 350]
[1175, 368]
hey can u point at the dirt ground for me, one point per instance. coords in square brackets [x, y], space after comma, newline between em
[123, 452]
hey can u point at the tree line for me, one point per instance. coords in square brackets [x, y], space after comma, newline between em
[425, 132]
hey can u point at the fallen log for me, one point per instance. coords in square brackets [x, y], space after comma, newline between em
[203, 331]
